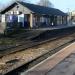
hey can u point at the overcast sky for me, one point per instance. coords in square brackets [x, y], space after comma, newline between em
[64, 5]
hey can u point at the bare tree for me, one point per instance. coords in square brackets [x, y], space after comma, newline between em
[45, 3]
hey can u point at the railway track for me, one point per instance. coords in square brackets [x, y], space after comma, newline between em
[31, 38]
[29, 43]
[36, 39]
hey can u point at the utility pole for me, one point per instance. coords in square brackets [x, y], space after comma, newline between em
[69, 17]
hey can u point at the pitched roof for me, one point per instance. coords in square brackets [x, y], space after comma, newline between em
[37, 9]
[43, 10]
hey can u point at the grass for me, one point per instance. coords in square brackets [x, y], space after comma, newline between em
[6, 41]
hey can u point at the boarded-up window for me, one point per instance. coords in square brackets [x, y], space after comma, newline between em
[9, 18]
[3, 18]
[15, 18]
[21, 18]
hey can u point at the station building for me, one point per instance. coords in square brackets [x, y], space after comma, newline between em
[27, 16]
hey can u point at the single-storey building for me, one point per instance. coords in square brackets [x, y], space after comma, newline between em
[24, 15]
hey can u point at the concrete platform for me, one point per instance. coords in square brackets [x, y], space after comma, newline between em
[66, 67]
[61, 63]
[55, 27]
